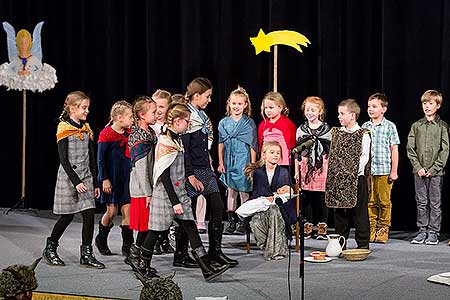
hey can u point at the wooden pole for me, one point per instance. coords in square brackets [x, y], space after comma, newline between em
[24, 139]
[275, 68]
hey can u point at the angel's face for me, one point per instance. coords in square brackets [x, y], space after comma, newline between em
[23, 46]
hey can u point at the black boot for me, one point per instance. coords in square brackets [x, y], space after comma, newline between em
[165, 243]
[127, 239]
[209, 271]
[101, 240]
[50, 255]
[240, 227]
[87, 258]
[134, 259]
[157, 249]
[231, 224]
[215, 246]
[181, 256]
[147, 272]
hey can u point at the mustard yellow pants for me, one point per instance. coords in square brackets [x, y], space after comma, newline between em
[380, 204]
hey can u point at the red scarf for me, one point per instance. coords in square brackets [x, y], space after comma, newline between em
[110, 135]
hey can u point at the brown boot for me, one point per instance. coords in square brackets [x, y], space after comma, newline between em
[322, 231]
[382, 235]
[373, 233]
[308, 230]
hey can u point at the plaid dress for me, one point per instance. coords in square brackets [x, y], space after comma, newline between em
[67, 199]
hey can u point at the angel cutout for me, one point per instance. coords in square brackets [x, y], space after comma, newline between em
[25, 71]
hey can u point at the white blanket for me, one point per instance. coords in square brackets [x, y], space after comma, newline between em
[260, 204]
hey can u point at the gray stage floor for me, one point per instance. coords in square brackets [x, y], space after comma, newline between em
[397, 270]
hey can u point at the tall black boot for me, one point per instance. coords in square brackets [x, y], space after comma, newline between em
[50, 255]
[134, 260]
[181, 256]
[157, 249]
[209, 270]
[101, 240]
[127, 239]
[165, 243]
[146, 256]
[87, 258]
[231, 224]
[215, 246]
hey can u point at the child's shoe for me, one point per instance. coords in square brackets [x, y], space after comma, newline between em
[373, 233]
[432, 239]
[420, 238]
[308, 230]
[322, 231]
[382, 235]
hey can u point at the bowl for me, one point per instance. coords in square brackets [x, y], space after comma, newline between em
[356, 254]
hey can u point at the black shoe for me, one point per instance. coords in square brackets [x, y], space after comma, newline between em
[208, 269]
[50, 255]
[87, 258]
[181, 256]
[127, 239]
[147, 272]
[231, 227]
[101, 240]
[134, 260]
[157, 250]
[165, 244]
[215, 254]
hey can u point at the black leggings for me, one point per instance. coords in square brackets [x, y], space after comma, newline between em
[87, 231]
[215, 207]
[187, 225]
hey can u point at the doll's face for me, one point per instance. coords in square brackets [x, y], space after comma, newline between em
[162, 105]
[237, 105]
[271, 109]
[23, 47]
[312, 112]
[79, 112]
[272, 155]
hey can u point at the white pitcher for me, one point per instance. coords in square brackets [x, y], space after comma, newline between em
[334, 247]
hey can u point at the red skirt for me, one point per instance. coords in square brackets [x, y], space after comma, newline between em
[139, 214]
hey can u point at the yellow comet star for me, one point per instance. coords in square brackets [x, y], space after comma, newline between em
[263, 41]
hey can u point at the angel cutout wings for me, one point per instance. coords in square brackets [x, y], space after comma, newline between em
[25, 70]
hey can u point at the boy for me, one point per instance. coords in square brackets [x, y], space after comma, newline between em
[428, 151]
[385, 141]
[346, 185]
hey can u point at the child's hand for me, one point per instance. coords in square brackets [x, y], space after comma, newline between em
[81, 188]
[197, 184]
[221, 169]
[393, 176]
[148, 199]
[97, 193]
[178, 209]
[270, 199]
[422, 172]
[106, 186]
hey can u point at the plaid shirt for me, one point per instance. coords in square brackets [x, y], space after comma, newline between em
[384, 135]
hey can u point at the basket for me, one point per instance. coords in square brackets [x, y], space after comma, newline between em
[356, 254]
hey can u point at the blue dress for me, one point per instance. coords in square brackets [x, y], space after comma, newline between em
[113, 161]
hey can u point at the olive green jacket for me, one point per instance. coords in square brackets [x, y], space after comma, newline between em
[428, 145]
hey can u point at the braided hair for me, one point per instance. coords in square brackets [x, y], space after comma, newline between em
[72, 99]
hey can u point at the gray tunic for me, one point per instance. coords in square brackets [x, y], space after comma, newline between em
[161, 210]
[67, 199]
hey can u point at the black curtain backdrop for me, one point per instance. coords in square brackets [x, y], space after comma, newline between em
[115, 50]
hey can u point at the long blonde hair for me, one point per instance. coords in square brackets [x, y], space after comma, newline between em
[250, 169]
[72, 99]
[278, 99]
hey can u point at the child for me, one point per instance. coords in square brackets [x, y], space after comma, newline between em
[276, 126]
[313, 161]
[428, 150]
[170, 199]
[142, 142]
[346, 186]
[237, 148]
[202, 179]
[76, 184]
[385, 143]
[268, 178]
[162, 99]
[114, 176]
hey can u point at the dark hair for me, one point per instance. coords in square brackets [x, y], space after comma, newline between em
[198, 85]
[380, 96]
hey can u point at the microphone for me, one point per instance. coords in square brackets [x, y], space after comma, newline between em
[302, 147]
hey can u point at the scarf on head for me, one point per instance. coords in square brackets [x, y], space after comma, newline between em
[321, 138]
[110, 135]
[65, 129]
[200, 121]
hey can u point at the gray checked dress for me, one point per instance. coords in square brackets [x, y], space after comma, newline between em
[161, 210]
[67, 199]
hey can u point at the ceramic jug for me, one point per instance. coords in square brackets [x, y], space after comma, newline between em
[334, 247]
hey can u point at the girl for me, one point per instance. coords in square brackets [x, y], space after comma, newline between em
[268, 225]
[162, 99]
[276, 126]
[202, 179]
[313, 165]
[170, 198]
[237, 148]
[76, 186]
[142, 143]
[114, 176]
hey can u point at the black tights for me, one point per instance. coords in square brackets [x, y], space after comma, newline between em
[188, 226]
[141, 236]
[215, 207]
[87, 231]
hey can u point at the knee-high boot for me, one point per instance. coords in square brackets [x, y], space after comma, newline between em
[208, 269]
[127, 239]
[101, 240]
[181, 256]
[215, 253]
[146, 256]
